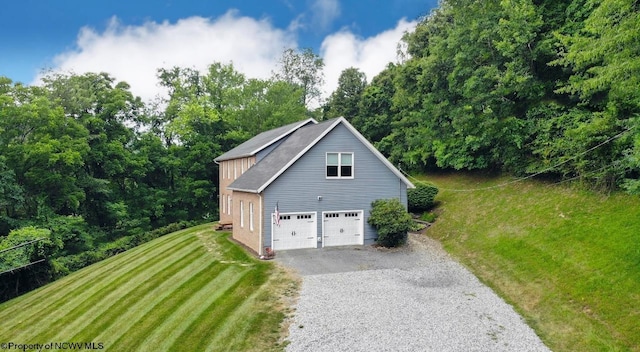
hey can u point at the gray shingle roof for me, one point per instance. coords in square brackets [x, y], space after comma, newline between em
[279, 159]
[262, 140]
[259, 176]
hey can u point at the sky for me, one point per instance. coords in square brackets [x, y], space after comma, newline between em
[132, 39]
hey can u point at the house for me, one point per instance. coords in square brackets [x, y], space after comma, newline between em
[305, 185]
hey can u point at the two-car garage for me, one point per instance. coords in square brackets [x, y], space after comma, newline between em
[300, 230]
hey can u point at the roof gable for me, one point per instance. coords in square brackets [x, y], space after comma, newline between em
[263, 140]
[261, 175]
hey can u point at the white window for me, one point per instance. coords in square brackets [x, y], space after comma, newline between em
[228, 169]
[250, 216]
[224, 200]
[241, 214]
[339, 165]
[242, 170]
[235, 171]
[229, 205]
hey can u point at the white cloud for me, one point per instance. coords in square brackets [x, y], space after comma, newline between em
[323, 12]
[134, 53]
[371, 55]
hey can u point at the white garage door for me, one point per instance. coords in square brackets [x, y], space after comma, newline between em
[342, 228]
[296, 230]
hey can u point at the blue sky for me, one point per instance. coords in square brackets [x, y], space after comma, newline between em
[132, 39]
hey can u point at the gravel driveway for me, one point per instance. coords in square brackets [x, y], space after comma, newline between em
[413, 299]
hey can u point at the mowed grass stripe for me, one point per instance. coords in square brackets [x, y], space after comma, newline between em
[53, 294]
[205, 327]
[60, 312]
[174, 324]
[107, 310]
[184, 291]
[124, 322]
[134, 339]
[234, 334]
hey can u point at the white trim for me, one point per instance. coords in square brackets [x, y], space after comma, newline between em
[241, 214]
[251, 216]
[268, 143]
[260, 226]
[294, 159]
[340, 177]
[377, 153]
[293, 129]
[320, 137]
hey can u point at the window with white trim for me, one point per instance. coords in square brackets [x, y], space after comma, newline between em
[235, 169]
[339, 165]
[224, 199]
[250, 216]
[228, 205]
[241, 214]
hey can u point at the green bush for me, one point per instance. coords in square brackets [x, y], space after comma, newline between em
[391, 220]
[421, 198]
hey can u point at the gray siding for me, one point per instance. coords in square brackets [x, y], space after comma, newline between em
[297, 189]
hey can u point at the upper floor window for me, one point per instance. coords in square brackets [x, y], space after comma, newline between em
[339, 165]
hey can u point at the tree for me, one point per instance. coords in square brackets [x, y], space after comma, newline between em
[302, 69]
[44, 148]
[344, 101]
[105, 108]
[11, 198]
[604, 58]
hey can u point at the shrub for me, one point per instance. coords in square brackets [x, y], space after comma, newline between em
[421, 197]
[391, 220]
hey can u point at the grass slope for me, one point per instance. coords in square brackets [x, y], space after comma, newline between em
[192, 290]
[568, 259]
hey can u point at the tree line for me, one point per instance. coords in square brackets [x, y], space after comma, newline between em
[530, 87]
[88, 170]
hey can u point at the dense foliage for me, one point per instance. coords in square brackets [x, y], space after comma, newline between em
[421, 197]
[92, 171]
[390, 218]
[524, 86]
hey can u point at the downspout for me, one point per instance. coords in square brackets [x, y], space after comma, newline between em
[261, 241]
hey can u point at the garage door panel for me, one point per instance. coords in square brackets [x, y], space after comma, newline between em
[343, 228]
[295, 231]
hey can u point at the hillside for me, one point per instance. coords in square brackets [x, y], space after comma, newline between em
[187, 291]
[567, 259]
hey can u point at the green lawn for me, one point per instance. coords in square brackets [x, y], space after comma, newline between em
[567, 259]
[192, 290]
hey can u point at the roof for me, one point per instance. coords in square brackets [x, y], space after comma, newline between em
[257, 178]
[262, 141]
